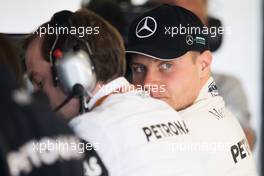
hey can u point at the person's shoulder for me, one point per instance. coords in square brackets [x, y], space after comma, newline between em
[136, 99]
[212, 114]
[119, 110]
[204, 106]
[86, 121]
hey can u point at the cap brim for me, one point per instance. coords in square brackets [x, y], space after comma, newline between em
[155, 53]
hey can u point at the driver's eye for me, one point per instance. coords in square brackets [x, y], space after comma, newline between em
[165, 66]
[138, 68]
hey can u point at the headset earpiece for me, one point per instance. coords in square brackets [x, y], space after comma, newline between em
[76, 67]
[71, 65]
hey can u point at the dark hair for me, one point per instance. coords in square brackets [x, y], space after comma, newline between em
[9, 58]
[107, 47]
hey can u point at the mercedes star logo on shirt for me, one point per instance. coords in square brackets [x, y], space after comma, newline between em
[146, 27]
[189, 39]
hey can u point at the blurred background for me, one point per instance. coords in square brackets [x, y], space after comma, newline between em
[239, 54]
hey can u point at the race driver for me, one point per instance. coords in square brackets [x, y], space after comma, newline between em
[169, 46]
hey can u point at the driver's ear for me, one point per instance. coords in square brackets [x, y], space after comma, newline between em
[205, 60]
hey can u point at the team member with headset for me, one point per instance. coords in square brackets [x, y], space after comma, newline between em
[133, 133]
[159, 54]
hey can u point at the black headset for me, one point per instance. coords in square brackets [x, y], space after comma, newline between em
[72, 69]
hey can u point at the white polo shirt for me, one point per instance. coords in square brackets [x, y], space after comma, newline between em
[219, 135]
[136, 135]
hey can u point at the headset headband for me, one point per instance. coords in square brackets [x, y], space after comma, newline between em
[61, 18]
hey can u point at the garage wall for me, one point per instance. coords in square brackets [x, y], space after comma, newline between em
[241, 52]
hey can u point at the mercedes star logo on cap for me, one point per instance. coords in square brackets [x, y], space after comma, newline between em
[146, 27]
[189, 39]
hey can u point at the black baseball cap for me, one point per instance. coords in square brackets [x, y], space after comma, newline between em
[167, 32]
